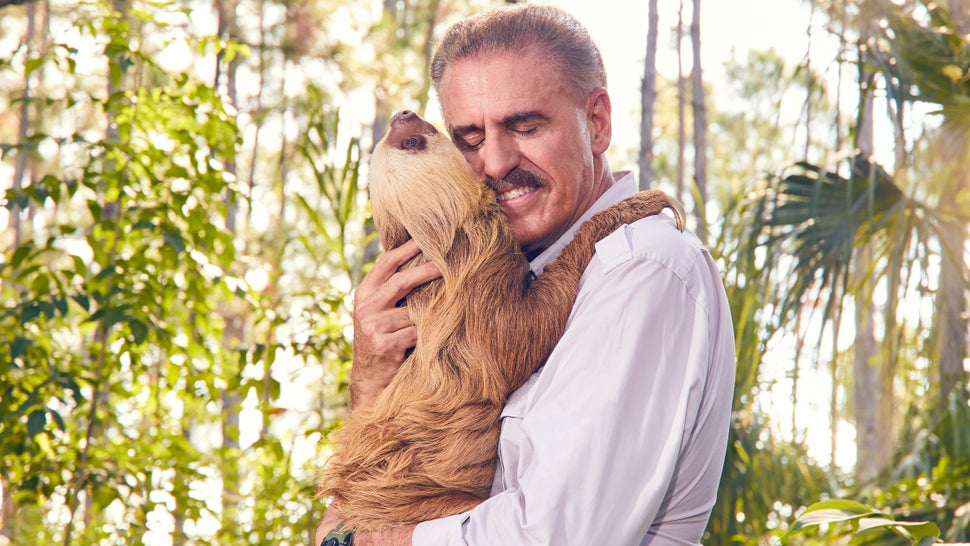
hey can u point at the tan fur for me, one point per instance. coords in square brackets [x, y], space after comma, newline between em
[427, 446]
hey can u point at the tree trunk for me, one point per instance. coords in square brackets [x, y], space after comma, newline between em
[382, 113]
[870, 456]
[648, 96]
[681, 104]
[427, 50]
[872, 427]
[809, 85]
[6, 511]
[700, 123]
[20, 164]
[101, 383]
[233, 320]
[260, 84]
[952, 298]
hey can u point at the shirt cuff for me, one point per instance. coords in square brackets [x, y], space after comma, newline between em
[440, 532]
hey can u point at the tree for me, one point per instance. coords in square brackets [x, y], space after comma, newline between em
[101, 302]
[821, 219]
[766, 476]
[681, 103]
[648, 97]
[700, 123]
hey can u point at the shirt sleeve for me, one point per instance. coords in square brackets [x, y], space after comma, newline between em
[623, 396]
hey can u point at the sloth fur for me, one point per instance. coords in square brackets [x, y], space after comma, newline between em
[427, 446]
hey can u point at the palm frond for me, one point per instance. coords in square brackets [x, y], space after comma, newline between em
[819, 216]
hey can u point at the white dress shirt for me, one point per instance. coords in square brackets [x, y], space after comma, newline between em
[620, 438]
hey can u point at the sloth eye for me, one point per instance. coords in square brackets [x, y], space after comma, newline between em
[415, 142]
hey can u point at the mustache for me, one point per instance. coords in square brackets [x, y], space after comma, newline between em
[517, 177]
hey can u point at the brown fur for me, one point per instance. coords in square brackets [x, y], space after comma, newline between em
[427, 446]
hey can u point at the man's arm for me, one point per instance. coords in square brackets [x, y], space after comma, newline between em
[618, 435]
[397, 536]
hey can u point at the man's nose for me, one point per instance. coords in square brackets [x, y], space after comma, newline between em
[500, 154]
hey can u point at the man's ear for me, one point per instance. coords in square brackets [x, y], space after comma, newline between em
[600, 120]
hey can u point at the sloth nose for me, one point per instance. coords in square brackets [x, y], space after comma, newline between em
[404, 116]
[406, 124]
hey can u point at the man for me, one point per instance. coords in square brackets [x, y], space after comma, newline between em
[620, 437]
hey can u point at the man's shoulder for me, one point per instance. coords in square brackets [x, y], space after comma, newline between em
[647, 242]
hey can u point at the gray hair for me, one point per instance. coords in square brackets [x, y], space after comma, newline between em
[519, 27]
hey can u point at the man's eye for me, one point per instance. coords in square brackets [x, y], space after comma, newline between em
[471, 144]
[525, 129]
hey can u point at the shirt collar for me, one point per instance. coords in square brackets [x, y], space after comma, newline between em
[624, 187]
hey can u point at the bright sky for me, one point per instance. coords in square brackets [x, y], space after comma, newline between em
[619, 28]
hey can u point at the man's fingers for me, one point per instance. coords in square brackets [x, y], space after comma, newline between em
[385, 323]
[404, 339]
[384, 285]
[388, 262]
[397, 287]
[397, 319]
[405, 281]
[389, 333]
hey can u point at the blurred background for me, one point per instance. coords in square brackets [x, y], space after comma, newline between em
[185, 217]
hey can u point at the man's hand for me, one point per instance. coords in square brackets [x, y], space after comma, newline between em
[384, 332]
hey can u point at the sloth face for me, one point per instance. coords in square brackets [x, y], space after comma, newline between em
[421, 187]
[409, 132]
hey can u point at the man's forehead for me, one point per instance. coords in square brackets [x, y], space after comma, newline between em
[479, 92]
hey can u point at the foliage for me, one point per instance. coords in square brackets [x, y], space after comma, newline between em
[931, 475]
[129, 335]
[766, 477]
[821, 217]
[764, 481]
[816, 220]
[934, 57]
[864, 521]
[111, 304]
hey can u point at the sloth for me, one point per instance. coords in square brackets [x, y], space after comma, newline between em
[427, 446]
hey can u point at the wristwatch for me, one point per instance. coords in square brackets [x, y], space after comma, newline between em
[338, 537]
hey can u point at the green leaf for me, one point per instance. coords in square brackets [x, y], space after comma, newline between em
[60, 304]
[19, 255]
[830, 511]
[58, 420]
[30, 312]
[19, 346]
[917, 530]
[35, 422]
[82, 300]
[138, 331]
[41, 285]
[32, 64]
[174, 240]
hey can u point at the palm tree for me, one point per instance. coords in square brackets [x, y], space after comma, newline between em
[934, 55]
[816, 219]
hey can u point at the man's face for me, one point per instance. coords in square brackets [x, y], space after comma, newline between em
[534, 143]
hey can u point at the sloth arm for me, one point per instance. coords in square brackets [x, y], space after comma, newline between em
[513, 325]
